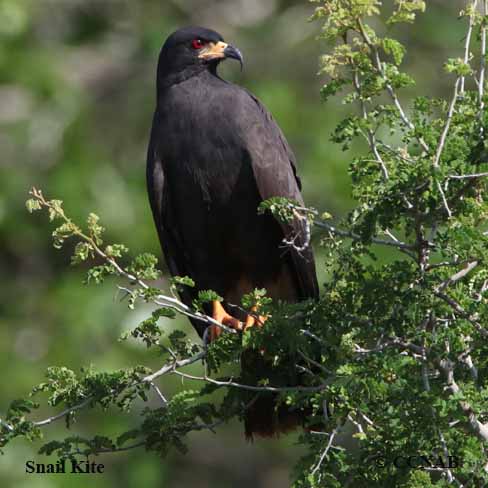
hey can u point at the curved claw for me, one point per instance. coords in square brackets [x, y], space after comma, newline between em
[253, 319]
[220, 315]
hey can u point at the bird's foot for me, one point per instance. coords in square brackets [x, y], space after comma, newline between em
[220, 315]
[254, 320]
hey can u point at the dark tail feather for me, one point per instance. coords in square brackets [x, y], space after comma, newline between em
[263, 418]
[264, 415]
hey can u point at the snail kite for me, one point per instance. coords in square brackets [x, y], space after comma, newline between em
[214, 154]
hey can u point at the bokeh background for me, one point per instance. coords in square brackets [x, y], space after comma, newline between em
[76, 100]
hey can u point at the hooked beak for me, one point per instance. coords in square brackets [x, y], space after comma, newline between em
[221, 50]
[234, 53]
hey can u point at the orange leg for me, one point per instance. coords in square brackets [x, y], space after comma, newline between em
[252, 319]
[255, 320]
[220, 315]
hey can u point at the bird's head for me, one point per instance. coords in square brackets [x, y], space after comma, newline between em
[193, 49]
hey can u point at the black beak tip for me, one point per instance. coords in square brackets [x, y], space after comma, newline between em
[234, 53]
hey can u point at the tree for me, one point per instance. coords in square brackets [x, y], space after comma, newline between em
[395, 349]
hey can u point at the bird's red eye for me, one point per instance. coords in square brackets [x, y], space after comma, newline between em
[197, 44]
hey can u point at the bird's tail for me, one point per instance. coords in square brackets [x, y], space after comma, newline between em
[265, 415]
[265, 418]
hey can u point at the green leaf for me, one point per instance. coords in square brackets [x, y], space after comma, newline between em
[182, 281]
[205, 296]
[144, 267]
[395, 49]
[458, 66]
[32, 205]
[83, 250]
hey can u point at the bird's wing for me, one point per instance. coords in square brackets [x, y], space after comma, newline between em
[274, 168]
[171, 242]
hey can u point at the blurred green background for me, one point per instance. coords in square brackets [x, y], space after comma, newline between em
[76, 101]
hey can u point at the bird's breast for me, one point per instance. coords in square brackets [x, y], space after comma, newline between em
[201, 148]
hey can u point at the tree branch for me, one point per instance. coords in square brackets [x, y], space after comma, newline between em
[447, 367]
[160, 299]
[379, 68]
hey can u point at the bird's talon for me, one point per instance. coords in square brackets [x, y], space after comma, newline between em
[233, 323]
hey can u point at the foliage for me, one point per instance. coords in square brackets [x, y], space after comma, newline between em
[395, 349]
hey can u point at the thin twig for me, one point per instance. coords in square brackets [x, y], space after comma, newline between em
[457, 276]
[379, 68]
[159, 393]
[447, 367]
[307, 234]
[6, 425]
[481, 84]
[355, 237]
[147, 379]
[307, 333]
[233, 384]
[326, 450]
[67, 411]
[108, 450]
[467, 43]
[351, 235]
[468, 176]
[356, 424]
[395, 342]
[472, 319]
[458, 90]
[370, 133]
[444, 200]
[447, 125]
[314, 363]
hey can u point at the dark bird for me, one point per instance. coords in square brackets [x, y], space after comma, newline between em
[215, 153]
